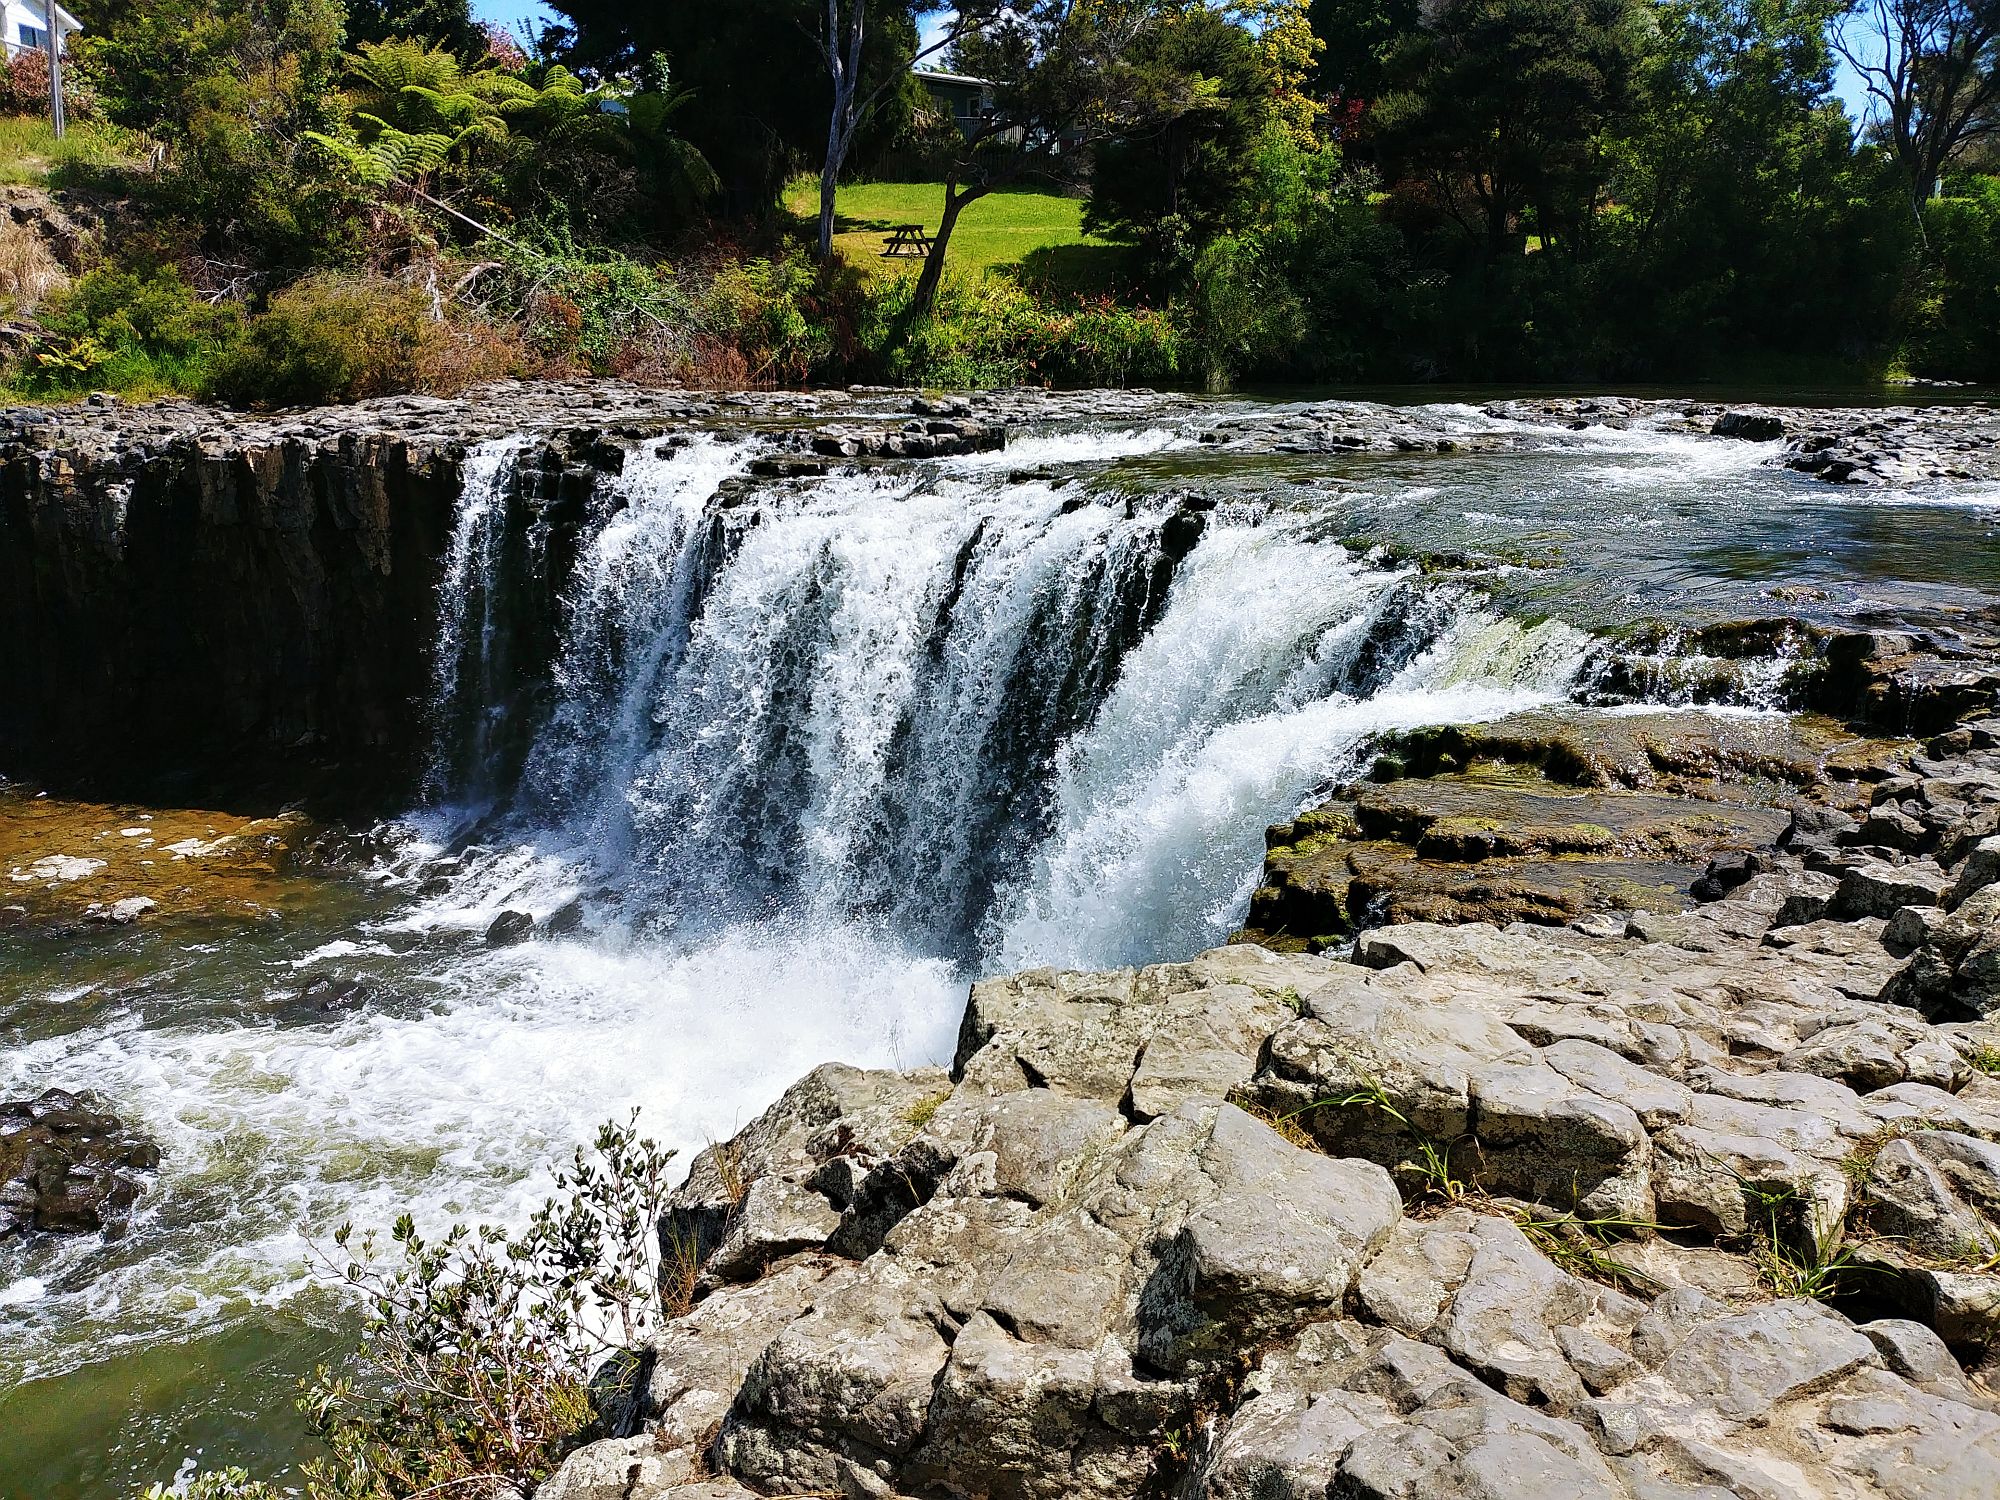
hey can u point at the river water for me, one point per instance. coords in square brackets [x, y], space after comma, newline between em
[810, 762]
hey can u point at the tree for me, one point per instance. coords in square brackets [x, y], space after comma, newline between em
[443, 23]
[842, 43]
[1357, 38]
[757, 74]
[1062, 82]
[1743, 214]
[1932, 68]
[417, 112]
[1179, 173]
[233, 89]
[1497, 105]
[423, 122]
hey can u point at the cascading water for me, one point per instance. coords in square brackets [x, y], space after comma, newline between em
[812, 752]
[1006, 720]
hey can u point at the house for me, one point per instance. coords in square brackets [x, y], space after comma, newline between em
[27, 26]
[967, 100]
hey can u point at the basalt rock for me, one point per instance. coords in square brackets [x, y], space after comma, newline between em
[1854, 445]
[1262, 1224]
[1549, 817]
[194, 600]
[69, 1167]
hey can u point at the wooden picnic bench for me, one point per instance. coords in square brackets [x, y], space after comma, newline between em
[907, 239]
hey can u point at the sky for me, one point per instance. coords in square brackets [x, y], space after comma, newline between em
[508, 12]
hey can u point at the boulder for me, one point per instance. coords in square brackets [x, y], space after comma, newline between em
[1955, 973]
[509, 928]
[1875, 888]
[1751, 426]
[67, 1166]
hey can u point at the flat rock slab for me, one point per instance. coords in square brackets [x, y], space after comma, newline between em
[1506, 840]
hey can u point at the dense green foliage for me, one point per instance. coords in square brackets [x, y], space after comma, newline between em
[1957, 310]
[330, 200]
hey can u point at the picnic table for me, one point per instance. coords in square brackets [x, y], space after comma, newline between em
[907, 239]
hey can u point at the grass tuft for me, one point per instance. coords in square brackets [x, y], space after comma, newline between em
[920, 1112]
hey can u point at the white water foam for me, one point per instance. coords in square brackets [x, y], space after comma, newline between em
[1074, 447]
[1164, 801]
[455, 1106]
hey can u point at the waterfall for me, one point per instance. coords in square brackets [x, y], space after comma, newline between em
[1006, 720]
[465, 693]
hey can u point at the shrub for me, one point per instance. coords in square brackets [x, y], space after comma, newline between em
[214, 1484]
[1955, 320]
[137, 331]
[589, 307]
[484, 1354]
[24, 87]
[1239, 312]
[346, 338]
[750, 321]
[791, 320]
[29, 270]
[990, 331]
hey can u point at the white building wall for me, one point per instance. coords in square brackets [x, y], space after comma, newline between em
[26, 24]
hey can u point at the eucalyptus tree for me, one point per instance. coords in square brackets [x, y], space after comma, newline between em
[844, 39]
[1932, 71]
[1062, 78]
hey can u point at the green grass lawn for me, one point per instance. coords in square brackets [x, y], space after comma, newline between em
[1038, 236]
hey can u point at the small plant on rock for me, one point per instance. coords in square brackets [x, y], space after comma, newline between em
[213, 1484]
[1431, 1166]
[921, 1111]
[1814, 1264]
[1581, 1246]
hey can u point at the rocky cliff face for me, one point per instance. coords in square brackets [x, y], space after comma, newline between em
[197, 603]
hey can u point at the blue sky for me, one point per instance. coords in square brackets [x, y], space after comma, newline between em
[508, 12]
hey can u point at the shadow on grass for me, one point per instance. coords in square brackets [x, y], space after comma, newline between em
[1078, 270]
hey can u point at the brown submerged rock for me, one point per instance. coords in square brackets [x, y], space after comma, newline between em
[62, 862]
[68, 1167]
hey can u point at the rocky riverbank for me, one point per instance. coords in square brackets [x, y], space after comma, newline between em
[1844, 445]
[1687, 1189]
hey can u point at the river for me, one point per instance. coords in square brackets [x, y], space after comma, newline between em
[812, 760]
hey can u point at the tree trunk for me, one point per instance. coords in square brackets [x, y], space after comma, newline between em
[829, 179]
[927, 284]
[843, 63]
